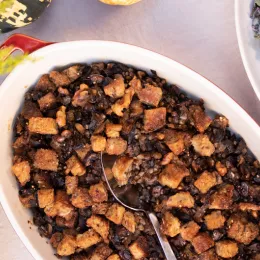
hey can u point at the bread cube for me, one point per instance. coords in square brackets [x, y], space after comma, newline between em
[56, 239]
[81, 198]
[100, 225]
[71, 183]
[75, 166]
[154, 119]
[100, 208]
[202, 242]
[88, 239]
[59, 79]
[45, 197]
[244, 206]
[189, 230]
[22, 171]
[226, 248]
[47, 102]
[206, 181]
[172, 175]
[180, 200]
[43, 125]
[116, 88]
[150, 95]
[129, 221]
[101, 252]
[170, 225]
[114, 257]
[116, 146]
[46, 160]
[139, 249]
[83, 151]
[98, 192]
[98, 143]
[136, 84]
[67, 246]
[202, 145]
[215, 220]
[115, 213]
[45, 84]
[73, 72]
[113, 130]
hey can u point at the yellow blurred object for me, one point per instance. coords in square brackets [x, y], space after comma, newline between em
[120, 2]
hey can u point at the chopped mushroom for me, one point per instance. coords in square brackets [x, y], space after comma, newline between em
[189, 230]
[139, 249]
[81, 198]
[136, 108]
[88, 239]
[226, 248]
[116, 88]
[22, 171]
[150, 95]
[170, 225]
[180, 200]
[98, 192]
[67, 246]
[28, 201]
[47, 102]
[206, 181]
[101, 252]
[154, 119]
[116, 213]
[129, 221]
[69, 222]
[98, 143]
[202, 145]
[46, 160]
[44, 126]
[202, 242]
[116, 146]
[215, 220]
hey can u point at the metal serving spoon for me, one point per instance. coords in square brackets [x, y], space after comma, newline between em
[128, 196]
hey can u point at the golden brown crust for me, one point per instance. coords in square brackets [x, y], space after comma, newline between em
[139, 249]
[45, 197]
[215, 220]
[116, 146]
[113, 130]
[98, 192]
[88, 239]
[22, 171]
[116, 88]
[150, 95]
[115, 213]
[43, 125]
[206, 181]
[47, 102]
[202, 242]
[81, 198]
[180, 200]
[226, 248]
[128, 221]
[170, 225]
[189, 230]
[154, 119]
[202, 145]
[46, 160]
[59, 79]
[75, 166]
[67, 246]
[98, 143]
[71, 183]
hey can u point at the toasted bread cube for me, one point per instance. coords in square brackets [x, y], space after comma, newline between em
[113, 130]
[59, 79]
[81, 198]
[136, 84]
[200, 120]
[45, 84]
[101, 252]
[116, 146]
[45, 197]
[222, 169]
[114, 257]
[154, 119]
[139, 249]
[116, 88]
[56, 239]
[88, 239]
[116, 213]
[180, 200]
[47, 102]
[98, 192]
[226, 248]
[100, 208]
[30, 109]
[222, 198]
[67, 246]
[121, 170]
[98, 143]
[83, 151]
[22, 171]
[215, 220]
[71, 183]
[61, 116]
[20, 142]
[43, 125]
[202, 242]
[73, 72]
[123, 103]
[202, 145]
[100, 225]
[172, 175]
[46, 160]
[170, 225]
[241, 230]
[206, 181]
[129, 221]
[150, 95]
[248, 206]
[70, 223]
[189, 230]
[28, 201]
[51, 210]
[75, 166]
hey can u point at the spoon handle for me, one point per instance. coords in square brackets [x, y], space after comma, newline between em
[162, 238]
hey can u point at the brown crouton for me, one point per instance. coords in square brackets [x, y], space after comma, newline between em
[46, 160]
[241, 230]
[71, 183]
[44, 126]
[177, 141]
[170, 225]
[83, 151]
[154, 119]
[121, 170]
[55, 239]
[136, 108]
[20, 142]
[172, 175]
[226, 248]
[67, 246]
[30, 110]
[189, 230]
[222, 169]
[113, 130]
[139, 249]
[98, 143]
[98, 192]
[115, 213]
[81, 198]
[59, 79]
[100, 208]
[202, 242]
[22, 171]
[100, 225]
[70, 223]
[150, 95]
[215, 220]
[206, 181]
[45, 197]
[61, 116]
[116, 88]
[123, 103]
[73, 72]
[222, 198]
[202, 145]
[116, 146]
[248, 206]
[75, 166]
[101, 252]
[129, 221]
[45, 84]
[114, 257]
[136, 84]
[28, 201]
[180, 200]
[47, 102]
[199, 118]
[167, 158]
[88, 239]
